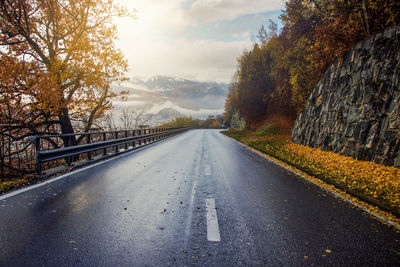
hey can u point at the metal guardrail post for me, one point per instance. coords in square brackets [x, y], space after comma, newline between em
[36, 141]
[66, 144]
[104, 139]
[116, 137]
[133, 142]
[126, 135]
[89, 154]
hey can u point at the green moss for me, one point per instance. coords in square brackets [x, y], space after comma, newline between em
[237, 135]
[266, 130]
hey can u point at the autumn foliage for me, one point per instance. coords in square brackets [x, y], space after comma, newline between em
[369, 181]
[278, 74]
[190, 121]
[181, 122]
[57, 63]
[373, 181]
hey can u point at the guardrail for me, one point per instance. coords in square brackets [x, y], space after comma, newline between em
[121, 141]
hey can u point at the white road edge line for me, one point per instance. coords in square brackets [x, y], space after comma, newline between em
[323, 186]
[212, 221]
[22, 190]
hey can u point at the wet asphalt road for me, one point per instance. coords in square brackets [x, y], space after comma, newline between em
[148, 208]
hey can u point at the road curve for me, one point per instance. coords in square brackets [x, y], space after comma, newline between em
[199, 198]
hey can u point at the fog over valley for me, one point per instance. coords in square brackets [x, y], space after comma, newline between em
[162, 98]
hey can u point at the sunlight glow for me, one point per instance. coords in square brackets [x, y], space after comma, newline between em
[187, 38]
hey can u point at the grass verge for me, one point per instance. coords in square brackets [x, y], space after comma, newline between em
[373, 183]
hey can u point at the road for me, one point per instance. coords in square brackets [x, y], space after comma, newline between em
[155, 207]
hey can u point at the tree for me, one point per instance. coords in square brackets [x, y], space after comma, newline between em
[230, 103]
[277, 76]
[65, 56]
[134, 118]
[264, 36]
[126, 118]
[254, 83]
[181, 122]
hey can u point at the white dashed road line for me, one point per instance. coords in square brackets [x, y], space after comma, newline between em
[207, 170]
[212, 221]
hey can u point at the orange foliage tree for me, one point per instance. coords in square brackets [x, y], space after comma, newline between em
[58, 60]
[277, 76]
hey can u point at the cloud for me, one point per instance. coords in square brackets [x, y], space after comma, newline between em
[168, 104]
[205, 60]
[193, 39]
[220, 10]
[157, 16]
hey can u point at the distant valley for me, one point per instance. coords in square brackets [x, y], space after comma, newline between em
[160, 98]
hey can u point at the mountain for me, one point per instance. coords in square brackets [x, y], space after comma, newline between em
[182, 88]
[168, 113]
[163, 98]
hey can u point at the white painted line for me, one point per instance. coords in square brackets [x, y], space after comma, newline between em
[212, 221]
[361, 205]
[207, 170]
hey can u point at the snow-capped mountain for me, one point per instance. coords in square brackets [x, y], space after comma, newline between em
[163, 98]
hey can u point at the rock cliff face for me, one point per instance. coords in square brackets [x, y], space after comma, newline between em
[355, 109]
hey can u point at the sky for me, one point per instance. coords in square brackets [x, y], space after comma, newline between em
[193, 39]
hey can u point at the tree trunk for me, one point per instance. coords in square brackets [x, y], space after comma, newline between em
[66, 128]
[65, 122]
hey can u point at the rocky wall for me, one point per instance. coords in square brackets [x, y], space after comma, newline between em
[355, 109]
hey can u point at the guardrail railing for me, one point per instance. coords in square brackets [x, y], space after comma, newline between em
[71, 147]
